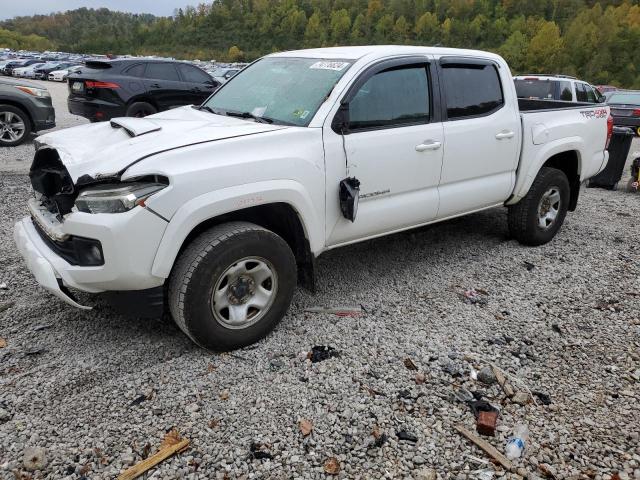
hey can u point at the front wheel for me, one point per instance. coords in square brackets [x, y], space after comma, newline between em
[14, 126]
[536, 218]
[232, 285]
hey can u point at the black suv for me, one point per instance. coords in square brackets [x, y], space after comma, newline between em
[135, 87]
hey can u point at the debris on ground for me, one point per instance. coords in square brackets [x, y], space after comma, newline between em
[475, 296]
[34, 458]
[486, 447]
[3, 286]
[406, 436]
[171, 444]
[259, 451]
[320, 353]
[545, 398]
[379, 436]
[35, 351]
[409, 364]
[486, 376]
[503, 382]
[332, 466]
[517, 442]
[338, 311]
[141, 398]
[224, 395]
[41, 327]
[556, 328]
[420, 378]
[3, 342]
[305, 426]
[529, 266]
[486, 423]
[521, 398]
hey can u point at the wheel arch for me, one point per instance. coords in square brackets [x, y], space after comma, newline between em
[294, 221]
[568, 162]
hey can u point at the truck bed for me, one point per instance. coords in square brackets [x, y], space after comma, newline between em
[533, 105]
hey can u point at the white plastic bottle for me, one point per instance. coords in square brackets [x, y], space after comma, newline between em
[517, 443]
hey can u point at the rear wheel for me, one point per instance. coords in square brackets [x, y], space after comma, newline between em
[536, 218]
[232, 285]
[140, 109]
[14, 126]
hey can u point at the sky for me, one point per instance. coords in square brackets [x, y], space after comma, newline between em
[12, 8]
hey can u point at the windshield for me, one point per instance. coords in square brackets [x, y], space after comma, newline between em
[283, 90]
[631, 98]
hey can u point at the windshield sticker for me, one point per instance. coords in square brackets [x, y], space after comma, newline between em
[325, 65]
[301, 113]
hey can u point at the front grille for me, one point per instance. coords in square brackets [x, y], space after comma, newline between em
[74, 249]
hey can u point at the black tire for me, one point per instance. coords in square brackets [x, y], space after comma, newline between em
[525, 217]
[140, 109]
[11, 112]
[202, 267]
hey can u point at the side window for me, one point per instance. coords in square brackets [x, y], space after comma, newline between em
[565, 91]
[591, 95]
[162, 71]
[472, 90]
[136, 70]
[193, 74]
[581, 92]
[398, 96]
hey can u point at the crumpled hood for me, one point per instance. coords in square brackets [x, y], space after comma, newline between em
[108, 148]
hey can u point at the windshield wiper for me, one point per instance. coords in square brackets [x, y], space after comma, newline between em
[249, 115]
[208, 109]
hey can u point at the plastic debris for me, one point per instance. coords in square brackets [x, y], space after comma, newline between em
[518, 442]
[406, 436]
[320, 353]
[544, 398]
[475, 296]
[529, 266]
[259, 451]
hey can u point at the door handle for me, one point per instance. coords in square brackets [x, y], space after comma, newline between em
[504, 135]
[155, 85]
[428, 145]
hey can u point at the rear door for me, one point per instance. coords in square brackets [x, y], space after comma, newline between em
[164, 85]
[200, 84]
[481, 132]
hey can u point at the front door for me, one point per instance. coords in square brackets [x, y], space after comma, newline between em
[165, 86]
[393, 146]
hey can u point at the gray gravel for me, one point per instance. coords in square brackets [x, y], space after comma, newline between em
[83, 393]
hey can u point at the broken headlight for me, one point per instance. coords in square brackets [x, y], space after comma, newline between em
[115, 198]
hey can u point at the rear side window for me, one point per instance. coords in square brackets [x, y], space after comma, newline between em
[565, 91]
[393, 97]
[581, 93]
[162, 71]
[136, 70]
[193, 75]
[591, 95]
[472, 90]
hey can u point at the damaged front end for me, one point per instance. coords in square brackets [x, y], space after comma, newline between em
[52, 182]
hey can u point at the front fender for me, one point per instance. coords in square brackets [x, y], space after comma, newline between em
[527, 175]
[227, 200]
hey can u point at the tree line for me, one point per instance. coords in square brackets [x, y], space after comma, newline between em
[597, 41]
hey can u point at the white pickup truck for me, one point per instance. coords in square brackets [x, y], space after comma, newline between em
[221, 209]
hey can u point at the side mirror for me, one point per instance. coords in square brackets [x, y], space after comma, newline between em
[601, 99]
[340, 123]
[349, 196]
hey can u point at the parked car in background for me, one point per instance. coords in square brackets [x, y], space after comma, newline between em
[606, 88]
[9, 67]
[556, 87]
[42, 72]
[222, 207]
[136, 87]
[223, 75]
[26, 72]
[61, 75]
[625, 109]
[24, 108]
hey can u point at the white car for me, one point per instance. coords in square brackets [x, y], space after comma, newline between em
[61, 75]
[26, 72]
[223, 208]
[556, 87]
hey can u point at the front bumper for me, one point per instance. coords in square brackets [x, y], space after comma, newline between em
[129, 243]
[38, 265]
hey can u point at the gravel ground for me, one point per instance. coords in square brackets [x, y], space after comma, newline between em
[98, 391]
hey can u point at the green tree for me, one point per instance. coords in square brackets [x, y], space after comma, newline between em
[315, 34]
[545, 52]
[427, 29]
[340, 26]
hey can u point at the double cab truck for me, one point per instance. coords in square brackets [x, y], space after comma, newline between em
[220, 210]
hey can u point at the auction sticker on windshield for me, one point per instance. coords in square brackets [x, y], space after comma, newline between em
[325, 65]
